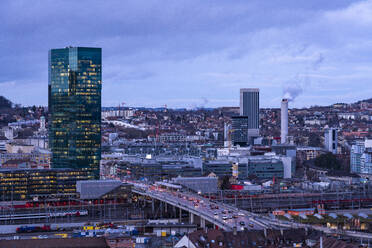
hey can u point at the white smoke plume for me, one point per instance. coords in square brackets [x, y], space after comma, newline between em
[291, 91]
[295, 87]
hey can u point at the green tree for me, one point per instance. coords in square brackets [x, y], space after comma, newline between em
[314, 140]
[225, 184]
[328, 161]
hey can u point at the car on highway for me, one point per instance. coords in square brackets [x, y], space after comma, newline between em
[225, 217]
[242, 223]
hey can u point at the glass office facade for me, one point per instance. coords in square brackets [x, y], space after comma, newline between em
[22, 184]
[75, 83]
[261, 168]
[240, 130]
[250, 106]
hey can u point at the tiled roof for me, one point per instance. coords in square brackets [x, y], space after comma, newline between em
[329, 242]
[56, 243]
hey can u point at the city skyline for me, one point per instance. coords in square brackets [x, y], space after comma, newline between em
[188, 123]
[156, 55]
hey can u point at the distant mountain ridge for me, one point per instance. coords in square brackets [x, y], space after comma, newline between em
[367, 100]
[6, 103]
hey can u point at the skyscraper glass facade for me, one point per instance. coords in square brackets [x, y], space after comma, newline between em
[240, 130]
[75, 83]
[250, 106]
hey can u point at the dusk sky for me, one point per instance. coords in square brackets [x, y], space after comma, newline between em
[188, 53]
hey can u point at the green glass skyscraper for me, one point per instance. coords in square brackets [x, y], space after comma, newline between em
[74, 88]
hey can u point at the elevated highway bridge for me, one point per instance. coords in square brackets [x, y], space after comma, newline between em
[225, 216]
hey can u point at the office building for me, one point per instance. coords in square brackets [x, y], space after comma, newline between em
[244, 167]
[75, 82]
[23, 184]
[262, 167]
[239, 130]
[219, 167]
[330, 140]
[287, 150]
[250, 107]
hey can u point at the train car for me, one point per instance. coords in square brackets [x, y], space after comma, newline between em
[32, 229]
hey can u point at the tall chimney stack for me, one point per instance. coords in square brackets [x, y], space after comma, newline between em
[284, 121]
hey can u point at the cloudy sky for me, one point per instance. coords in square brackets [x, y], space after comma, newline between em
[189, 53]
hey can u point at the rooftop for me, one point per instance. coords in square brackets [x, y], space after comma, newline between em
[56, 243]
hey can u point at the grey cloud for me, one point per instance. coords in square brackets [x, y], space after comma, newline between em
[138, 34]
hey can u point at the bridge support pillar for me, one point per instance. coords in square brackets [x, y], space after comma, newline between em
[165, 207]
[192, 217]
[153, 206]
[202, 223]
[180, 215]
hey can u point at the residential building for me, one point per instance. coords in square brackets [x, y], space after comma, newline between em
[330, 140]
[307, 153]
[172, 137]
[360, 157]
[41, 157]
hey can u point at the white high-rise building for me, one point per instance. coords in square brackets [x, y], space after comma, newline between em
[361, 157]
[330, 140]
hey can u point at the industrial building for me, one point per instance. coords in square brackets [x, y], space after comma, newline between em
[202, 185]
[103, 189]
